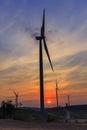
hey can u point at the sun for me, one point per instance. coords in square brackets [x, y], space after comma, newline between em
[49, 101]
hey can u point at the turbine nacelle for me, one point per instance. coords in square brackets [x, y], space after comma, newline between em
[40, 38]
[57, 85]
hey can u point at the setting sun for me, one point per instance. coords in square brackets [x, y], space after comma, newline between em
[49, 101]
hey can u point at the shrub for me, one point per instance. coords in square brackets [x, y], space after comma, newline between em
[7, 108]
[51, 118]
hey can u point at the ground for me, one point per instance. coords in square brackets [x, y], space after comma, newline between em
[7, 124]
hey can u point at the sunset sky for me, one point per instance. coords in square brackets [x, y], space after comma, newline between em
[66, 35]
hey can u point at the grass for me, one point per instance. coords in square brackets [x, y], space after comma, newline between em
[51, 115]
[26, 115]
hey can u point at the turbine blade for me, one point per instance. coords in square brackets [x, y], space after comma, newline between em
[46, 49]
[43, 25]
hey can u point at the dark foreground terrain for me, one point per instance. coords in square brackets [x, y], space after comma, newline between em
[6, 124]
[55, 119]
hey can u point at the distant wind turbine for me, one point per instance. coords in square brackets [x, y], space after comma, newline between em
[57, 94]
[16, 99]
[42, 39]
[68, 97]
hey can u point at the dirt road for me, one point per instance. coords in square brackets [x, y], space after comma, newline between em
[19, 125]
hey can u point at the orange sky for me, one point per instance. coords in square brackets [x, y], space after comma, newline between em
[66, 29]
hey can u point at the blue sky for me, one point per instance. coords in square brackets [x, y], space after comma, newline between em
[66, 29]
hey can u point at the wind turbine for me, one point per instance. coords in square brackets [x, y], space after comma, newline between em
[68, 98]
[41, 40]
[57, 94]
[16, 99]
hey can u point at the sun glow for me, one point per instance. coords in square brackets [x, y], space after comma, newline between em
[49, 101]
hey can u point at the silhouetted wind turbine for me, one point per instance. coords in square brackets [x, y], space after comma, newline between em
[57, 94]
[42, 39]
[16, 99]
[68, 97]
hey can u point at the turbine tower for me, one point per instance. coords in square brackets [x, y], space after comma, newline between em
[68, 97]
[16, 99]
[57, 94]
[41, 40]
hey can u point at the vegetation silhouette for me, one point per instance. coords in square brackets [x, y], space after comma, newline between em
[7, 109]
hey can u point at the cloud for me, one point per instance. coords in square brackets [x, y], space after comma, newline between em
[78, 59]
[19, 54]
[30, 31]
[16, 74]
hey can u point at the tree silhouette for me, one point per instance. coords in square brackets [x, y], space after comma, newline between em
[7, 108]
